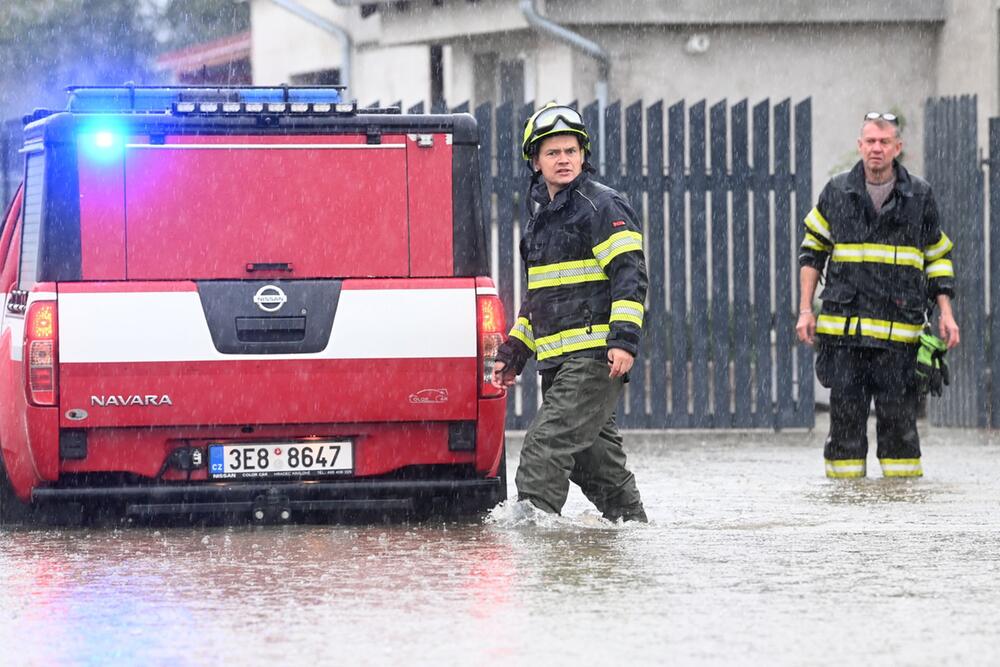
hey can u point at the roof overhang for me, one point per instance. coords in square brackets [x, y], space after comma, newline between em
[428, 21]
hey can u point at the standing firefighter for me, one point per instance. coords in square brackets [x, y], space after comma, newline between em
[889, 264]
[581, 317]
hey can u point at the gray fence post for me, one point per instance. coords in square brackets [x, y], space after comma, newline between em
[953, 170]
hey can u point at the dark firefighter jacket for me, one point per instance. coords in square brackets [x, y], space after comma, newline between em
[884, 268]
[586, 275]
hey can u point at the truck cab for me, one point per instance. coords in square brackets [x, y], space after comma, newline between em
[248, 300]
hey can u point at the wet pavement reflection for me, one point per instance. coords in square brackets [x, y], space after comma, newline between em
[752, 556]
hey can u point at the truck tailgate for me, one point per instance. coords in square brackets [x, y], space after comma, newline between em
[320, 208]
[147, 354]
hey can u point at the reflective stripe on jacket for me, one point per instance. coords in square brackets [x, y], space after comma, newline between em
[882, 268]
[586, 277]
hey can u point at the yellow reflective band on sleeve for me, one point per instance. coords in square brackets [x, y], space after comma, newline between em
[878, 253]
[813, 242]
[845, 469]
[901, 468]
[522, 331]
[565, 273]
[939, 249]
[572, 340]
[831, 325]
[627, 311]
[818, 225]
[616, 244]
[900, 332]
[942, 268]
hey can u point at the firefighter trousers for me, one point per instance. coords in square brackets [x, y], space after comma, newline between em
[574, 438]
[856, 375]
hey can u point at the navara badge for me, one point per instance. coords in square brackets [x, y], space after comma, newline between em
[270, 298]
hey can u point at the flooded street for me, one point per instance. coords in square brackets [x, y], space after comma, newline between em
[752, 556]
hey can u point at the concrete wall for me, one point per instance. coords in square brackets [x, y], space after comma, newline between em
[460, 80]
[422, 20]
[850, 56]
[285, 45]
[742, 12]
[969, 56]
[846, 69]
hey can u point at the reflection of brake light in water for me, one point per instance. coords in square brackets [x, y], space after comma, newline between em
[491, 574]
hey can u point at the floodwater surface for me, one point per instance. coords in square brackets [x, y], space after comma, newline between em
[751, 557]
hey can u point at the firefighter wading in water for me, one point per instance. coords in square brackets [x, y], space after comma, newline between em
[888, 265]
[581, 317]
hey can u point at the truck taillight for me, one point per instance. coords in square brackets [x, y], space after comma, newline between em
[40, 341]
[491, 334]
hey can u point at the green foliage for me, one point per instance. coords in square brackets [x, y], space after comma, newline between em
[186, 22]
[46, 45]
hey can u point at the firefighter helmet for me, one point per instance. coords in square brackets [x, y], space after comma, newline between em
[553, 119]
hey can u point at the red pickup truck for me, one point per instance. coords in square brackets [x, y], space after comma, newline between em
[261, 301]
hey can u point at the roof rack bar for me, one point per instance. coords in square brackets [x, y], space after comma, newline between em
[130, 98]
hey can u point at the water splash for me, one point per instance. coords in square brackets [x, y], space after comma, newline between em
[522, 514]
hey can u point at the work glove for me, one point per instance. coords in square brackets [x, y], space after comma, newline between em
[932, 369]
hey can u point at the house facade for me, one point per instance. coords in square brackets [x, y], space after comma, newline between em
[302, 42]
[849, 56]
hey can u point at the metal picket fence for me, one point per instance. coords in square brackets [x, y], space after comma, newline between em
[955, 170]
[721, 190]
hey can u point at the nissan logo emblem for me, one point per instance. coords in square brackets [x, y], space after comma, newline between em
[270, 298]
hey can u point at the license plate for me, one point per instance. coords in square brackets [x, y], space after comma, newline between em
[281, 459]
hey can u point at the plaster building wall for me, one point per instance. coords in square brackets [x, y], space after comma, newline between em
[847, 70]
[466, 73]
[701, 12]
[850, 56]
[969, 56]
[286, 46]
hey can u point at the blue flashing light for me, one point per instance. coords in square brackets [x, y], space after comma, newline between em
[101, 141]
[104, 139]
[160, 99]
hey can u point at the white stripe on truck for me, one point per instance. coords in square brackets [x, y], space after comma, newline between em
[230, 147]
[170, 326]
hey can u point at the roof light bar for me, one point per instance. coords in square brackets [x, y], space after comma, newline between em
[230, 107]
[164, 99]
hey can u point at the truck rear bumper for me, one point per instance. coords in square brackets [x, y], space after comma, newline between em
[278, 501]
